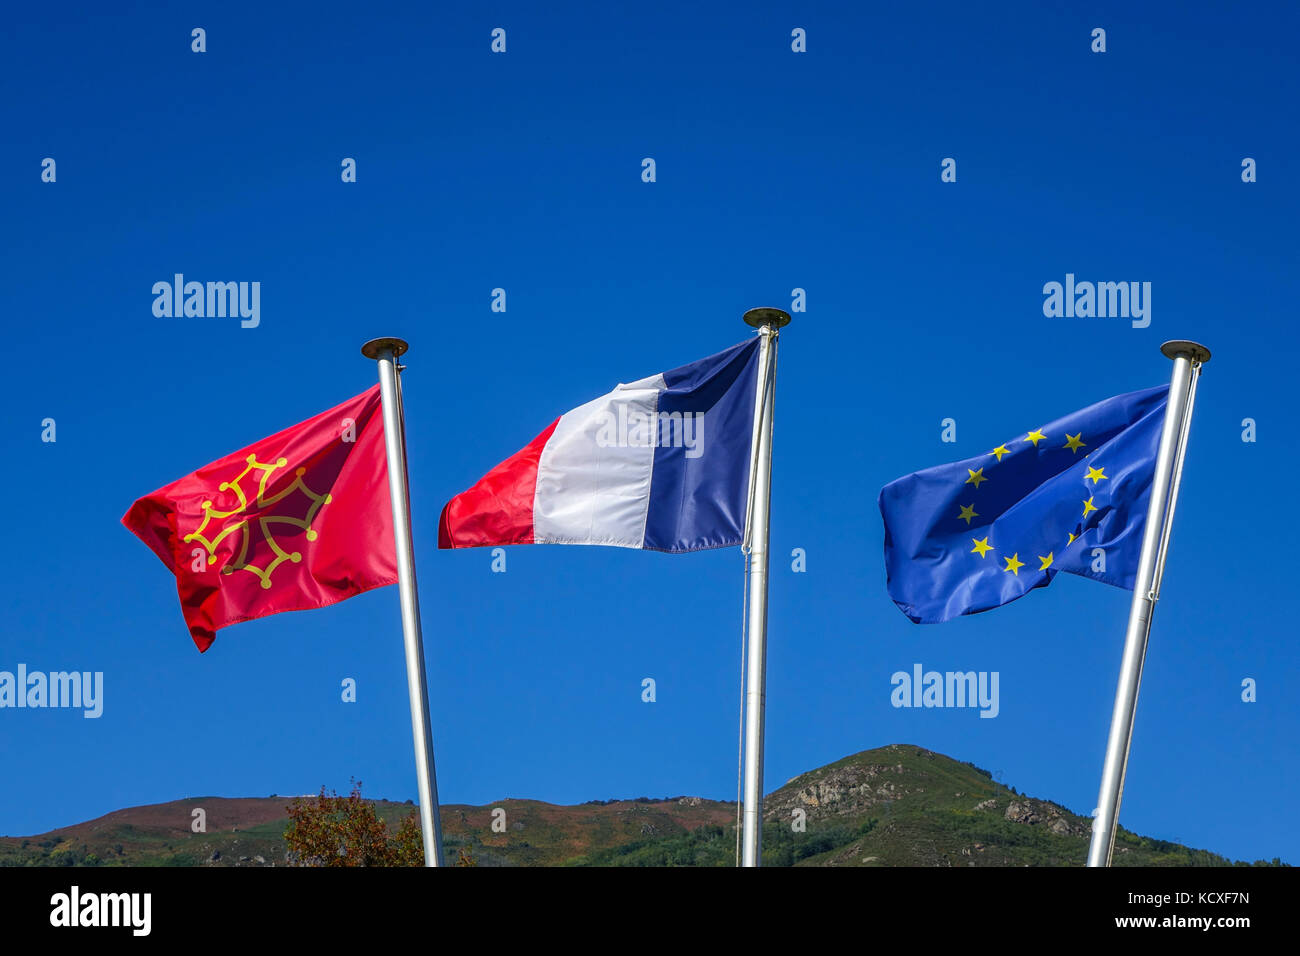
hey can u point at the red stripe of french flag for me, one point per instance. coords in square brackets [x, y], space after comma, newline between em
[499, 508]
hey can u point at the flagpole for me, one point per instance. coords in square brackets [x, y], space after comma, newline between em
[767, 321]
[385, 351]
[1188, 357]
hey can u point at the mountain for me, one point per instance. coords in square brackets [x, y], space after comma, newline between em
[899, 805]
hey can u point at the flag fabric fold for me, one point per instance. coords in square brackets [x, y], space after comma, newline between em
[1070, 496]
[661, 464]
[295, 521]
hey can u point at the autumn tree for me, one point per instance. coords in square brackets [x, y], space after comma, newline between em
[329, 830]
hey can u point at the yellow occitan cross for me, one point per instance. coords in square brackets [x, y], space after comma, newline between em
[982, 546]
[976, 477]
[1072, 442]
[263, 522]
[1014, 564]
[968, 512]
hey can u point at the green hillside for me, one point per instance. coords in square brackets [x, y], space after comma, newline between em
[899, 805]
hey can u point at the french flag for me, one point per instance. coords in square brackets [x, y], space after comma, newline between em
[661, 463]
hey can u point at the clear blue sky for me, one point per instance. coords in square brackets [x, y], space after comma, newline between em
[775, 170]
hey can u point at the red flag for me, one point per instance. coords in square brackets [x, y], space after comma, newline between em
[298, 520]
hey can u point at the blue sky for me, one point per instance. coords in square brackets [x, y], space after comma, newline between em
[522, 170]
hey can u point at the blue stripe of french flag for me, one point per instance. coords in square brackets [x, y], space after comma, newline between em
[661, 463]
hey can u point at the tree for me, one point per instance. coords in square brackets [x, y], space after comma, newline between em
[329, 830]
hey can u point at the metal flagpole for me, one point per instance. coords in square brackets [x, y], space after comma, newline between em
[1188, 357]
[767, 321]
[386, 351]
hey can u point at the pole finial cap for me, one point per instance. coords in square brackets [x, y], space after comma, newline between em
[1182, 348]
[376, 347]
[758, 318]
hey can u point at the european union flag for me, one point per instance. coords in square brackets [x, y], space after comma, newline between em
[976, 534]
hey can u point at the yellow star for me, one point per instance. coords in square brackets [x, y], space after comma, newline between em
[1096, 475]
[1088, 506]
[982, 546]
[1071, 541]
[1014, 564]
[1000, 451]
[976, 477]
[1036, 436]
[968, 512]
[1047, 561]
[1072, 441]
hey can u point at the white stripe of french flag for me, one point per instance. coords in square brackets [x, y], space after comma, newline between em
[661, 463]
